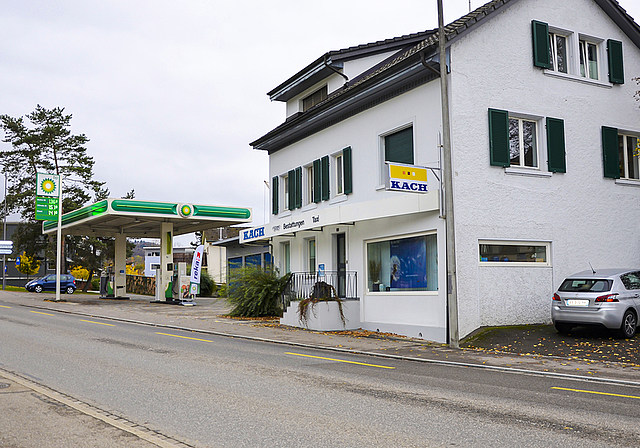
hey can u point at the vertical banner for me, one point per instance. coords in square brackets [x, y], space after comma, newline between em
[196, 266]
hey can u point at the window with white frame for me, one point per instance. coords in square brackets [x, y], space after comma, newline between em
[311, 255]
[512, 252]
[628, 155]
[588, 59]
[339, 174]
[403, 264]
[558, 52]
[286, 257]
[523, 145]
[309, 175]
[285, 186]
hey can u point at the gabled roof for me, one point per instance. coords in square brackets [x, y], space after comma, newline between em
[320, 68]
[424, 51]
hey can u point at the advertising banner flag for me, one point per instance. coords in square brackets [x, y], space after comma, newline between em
[196, 267]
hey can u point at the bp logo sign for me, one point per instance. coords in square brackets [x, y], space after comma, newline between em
[185, 210]
[47, 185]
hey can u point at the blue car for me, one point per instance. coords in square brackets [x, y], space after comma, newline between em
[48, 283]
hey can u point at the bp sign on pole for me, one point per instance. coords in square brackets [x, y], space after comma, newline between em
[47, 196]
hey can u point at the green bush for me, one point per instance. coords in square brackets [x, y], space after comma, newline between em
[255, 292]
[207, 285]
[95, 284]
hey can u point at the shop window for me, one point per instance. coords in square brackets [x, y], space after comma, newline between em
[311, 255]
[403, 264]
[253, 260]
[503, 253]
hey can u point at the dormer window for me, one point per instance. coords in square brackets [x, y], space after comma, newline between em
[315, 98]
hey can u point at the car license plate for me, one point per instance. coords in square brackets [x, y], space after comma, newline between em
[578, 302]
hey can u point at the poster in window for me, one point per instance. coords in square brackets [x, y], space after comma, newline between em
[408, 263]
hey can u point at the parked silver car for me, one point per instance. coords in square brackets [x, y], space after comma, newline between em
[606, 297]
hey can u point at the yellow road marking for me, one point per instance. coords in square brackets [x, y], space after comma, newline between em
[340, 360]
[596, 392]
[2, 306]
[184, 337]
[99, 323]
[46, 314]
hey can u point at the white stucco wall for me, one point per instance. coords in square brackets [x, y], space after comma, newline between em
[586, 217]
[417, 314]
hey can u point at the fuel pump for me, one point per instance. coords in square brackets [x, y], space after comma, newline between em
[180, 284]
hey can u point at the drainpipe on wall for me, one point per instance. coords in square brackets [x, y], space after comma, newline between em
[452, 290]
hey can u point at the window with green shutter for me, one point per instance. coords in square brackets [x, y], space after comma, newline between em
[317, 181]
[298, 189]
[610, 157]
[348, 172]
[541, 53]
[274, 195]
[616, 66]
[291, 196]
[398, 147]
[499, 138]
[324, 168]
[556, 146]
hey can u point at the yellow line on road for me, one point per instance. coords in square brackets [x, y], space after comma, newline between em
[184, 337]
[2, 306]
[99, 323]
[340, 360]
[46, 314]
[596, 392]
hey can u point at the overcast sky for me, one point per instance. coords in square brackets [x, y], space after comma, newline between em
[171, 93]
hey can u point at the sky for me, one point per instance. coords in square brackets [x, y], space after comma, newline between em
[170, 93]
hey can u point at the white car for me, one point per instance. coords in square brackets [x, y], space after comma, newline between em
[606, 297]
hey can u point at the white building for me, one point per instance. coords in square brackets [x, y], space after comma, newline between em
[545, 181]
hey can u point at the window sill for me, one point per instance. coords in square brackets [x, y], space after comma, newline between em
[284, 214]
[380, 187]
[628, 182]
[338, 199]
[307, 207]
[580, 79]
[527, 172]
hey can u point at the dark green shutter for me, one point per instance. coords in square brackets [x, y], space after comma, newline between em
[291, 176]
[610, 152]
[317, 181]
[299, 187]
[398, 147]
[556, 146]
[274, 195]
[499, 138]
[346, 164]
[324, 162]
[616, 66]
[540, 32]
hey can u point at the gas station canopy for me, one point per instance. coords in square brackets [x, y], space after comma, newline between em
[142, 219]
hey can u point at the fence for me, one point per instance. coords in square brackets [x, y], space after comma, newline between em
[302, 284]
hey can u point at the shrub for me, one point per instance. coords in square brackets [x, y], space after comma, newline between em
[95, 284]
[255, 292]
[207, 285]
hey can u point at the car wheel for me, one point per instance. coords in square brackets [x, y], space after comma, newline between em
[628, 327]
[70, 289]
[563, 328]
[38, 288]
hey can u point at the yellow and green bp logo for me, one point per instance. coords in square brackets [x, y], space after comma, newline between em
[47, 184]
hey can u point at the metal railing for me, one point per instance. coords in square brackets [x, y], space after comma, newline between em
[301, 285]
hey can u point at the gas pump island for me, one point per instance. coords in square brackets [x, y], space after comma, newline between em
[122, 218]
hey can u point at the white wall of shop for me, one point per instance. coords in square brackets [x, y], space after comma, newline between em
[586, 217]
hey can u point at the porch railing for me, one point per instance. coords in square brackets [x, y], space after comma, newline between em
[301, 285]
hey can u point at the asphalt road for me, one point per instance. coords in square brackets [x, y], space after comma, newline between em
[217, 391]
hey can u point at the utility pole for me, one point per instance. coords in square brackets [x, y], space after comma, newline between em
[452, 290]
